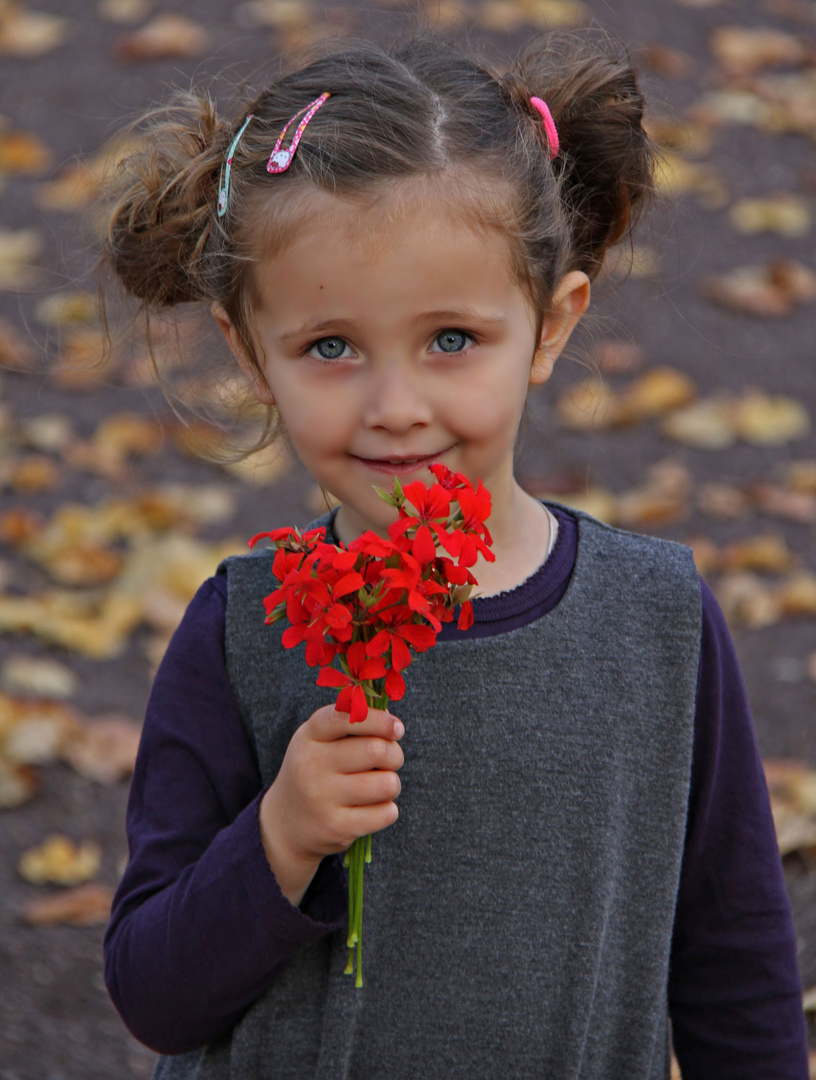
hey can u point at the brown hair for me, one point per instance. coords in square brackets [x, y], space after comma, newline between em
[422, 108]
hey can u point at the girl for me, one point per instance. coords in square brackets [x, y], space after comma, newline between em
[396, 245]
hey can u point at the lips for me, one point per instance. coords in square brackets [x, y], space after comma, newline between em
[398, 466]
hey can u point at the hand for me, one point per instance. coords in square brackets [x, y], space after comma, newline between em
[338, 781]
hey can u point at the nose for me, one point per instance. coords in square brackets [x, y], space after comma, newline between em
[396, 401]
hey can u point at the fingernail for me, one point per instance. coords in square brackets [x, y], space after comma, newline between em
[399, 728]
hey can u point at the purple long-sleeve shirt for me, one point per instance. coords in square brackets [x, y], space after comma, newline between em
[200, 928]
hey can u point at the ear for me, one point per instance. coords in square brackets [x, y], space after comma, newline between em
[570, 301]
[260, 387]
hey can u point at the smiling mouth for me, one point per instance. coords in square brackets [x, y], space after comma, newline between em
[400, 464]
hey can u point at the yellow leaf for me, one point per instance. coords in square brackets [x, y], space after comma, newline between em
[707, 424]
[84, 905]
[749, 290]
[164, 37]
[706, 555]
[743, 50]
[747, 601]
[123, 11]
[675, 176]
[731, 106]
[81, 364]
[589, 405]
[32, 474]
[615, 357]
[18, 784]
[598, 502]
[721, 500]
[770, 421]
[21, 152]
[550, 14]
[103, 749]
[17, 250]
[797, 595]
[767, 553]
[16, 350]
[656, 392]
[781, 502]
[28, 33]
[38, 676]
[279, 14]
[263, 468]
[61, 861]
[801, 476]
[786, 214]
[68, 307]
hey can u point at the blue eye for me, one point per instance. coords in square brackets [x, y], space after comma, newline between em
[452, 341]
[329, 348]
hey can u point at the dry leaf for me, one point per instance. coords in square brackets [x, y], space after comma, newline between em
[781, 502]
[16, 351]
[706, 555]
[742, 50]
[666, 61]
[29, 475]
[118, 438]
[769, 421]
[68, 307]
[661, 500]
[50, 432]
[164, 37]
[598, 502]
[61, 861]
[675, 176]
[616, 357]
[23, 153]
[733, 105]
[124, 11]
[767, 553]
[673, 134]
[801, 476]
[658, 391]
[747, 601]
[84, 905]
[809, 1000]
[28, 33]
[796, 281]
[589, 405]
[723, 500]
[263, 468]
[706, 424]
[17, 250]
[18, 783]
[79, 184]
[103, 750]
[81, 363]
[785, 213]
[792, 787]
[639, 261]
[277, 14]
[19, 526]
[797, 595]
[749, 290]
[96, 626]
[38, 676]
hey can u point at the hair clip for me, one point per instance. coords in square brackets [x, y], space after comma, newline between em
[549, 124]
[224, 178]
[281, 158]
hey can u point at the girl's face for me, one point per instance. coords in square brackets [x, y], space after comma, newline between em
[387, 346]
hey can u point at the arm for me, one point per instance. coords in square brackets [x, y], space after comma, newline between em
[735, 995]
[200, 927]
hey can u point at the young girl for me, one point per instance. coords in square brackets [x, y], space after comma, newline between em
[396, 245]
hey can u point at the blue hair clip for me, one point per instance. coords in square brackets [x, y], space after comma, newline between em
[224, 178]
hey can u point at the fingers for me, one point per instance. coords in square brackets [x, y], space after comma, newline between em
[367, 789]
[326, 724]
[362, 755]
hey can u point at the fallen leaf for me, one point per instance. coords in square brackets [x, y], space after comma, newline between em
[30, 474]
[666, 61]
[617, 357]
[61, 861]
[662, 499]
[117, 438]
[81, 363]
[639, 261]
[23, 153]
[675, 176]
[792, 788]
[809, 1000]
[263, 468]
[84, 905]
[797, 595]
[17, 250]
[767, 553]
[104, 749]
[785, 213]
[746, 600]
[124, 11]
[658, 391]
[749, 290]
[796, 281]
[38, 733]
[28, 34]
[685, 136]
[18, 526]
[743, 51]
[164, 37]
[67, 307]
[38, 676]
[781, 502]
[18, 784]
[96, 626]
[769, 421]
[589, 405]
[277, 14]
[16, 350]
[596, 501]
[50, 432]
[733, 105]
[801, 476]
[550, 14]
[79, 184]
[706, 424]
[706, 555]
[721, 500]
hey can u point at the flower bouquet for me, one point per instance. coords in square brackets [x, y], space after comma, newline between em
[368, 606]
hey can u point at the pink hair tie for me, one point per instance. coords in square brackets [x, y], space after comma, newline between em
[549, 124]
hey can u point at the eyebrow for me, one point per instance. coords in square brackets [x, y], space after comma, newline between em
[314, 326]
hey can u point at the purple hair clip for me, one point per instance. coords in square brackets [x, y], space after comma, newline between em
[281, 158]
[549, 124]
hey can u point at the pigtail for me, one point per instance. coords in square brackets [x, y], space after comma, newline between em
[606, 162]
[162, 198]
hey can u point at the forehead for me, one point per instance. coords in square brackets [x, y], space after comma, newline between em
[403, 243]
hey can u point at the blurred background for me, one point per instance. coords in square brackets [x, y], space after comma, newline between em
[684, 409]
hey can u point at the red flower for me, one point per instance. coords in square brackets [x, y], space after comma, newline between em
[351, 698]
[450, 481]
[430, 503]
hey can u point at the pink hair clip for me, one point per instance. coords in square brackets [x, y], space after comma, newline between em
[549, 124]
[281, 158]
